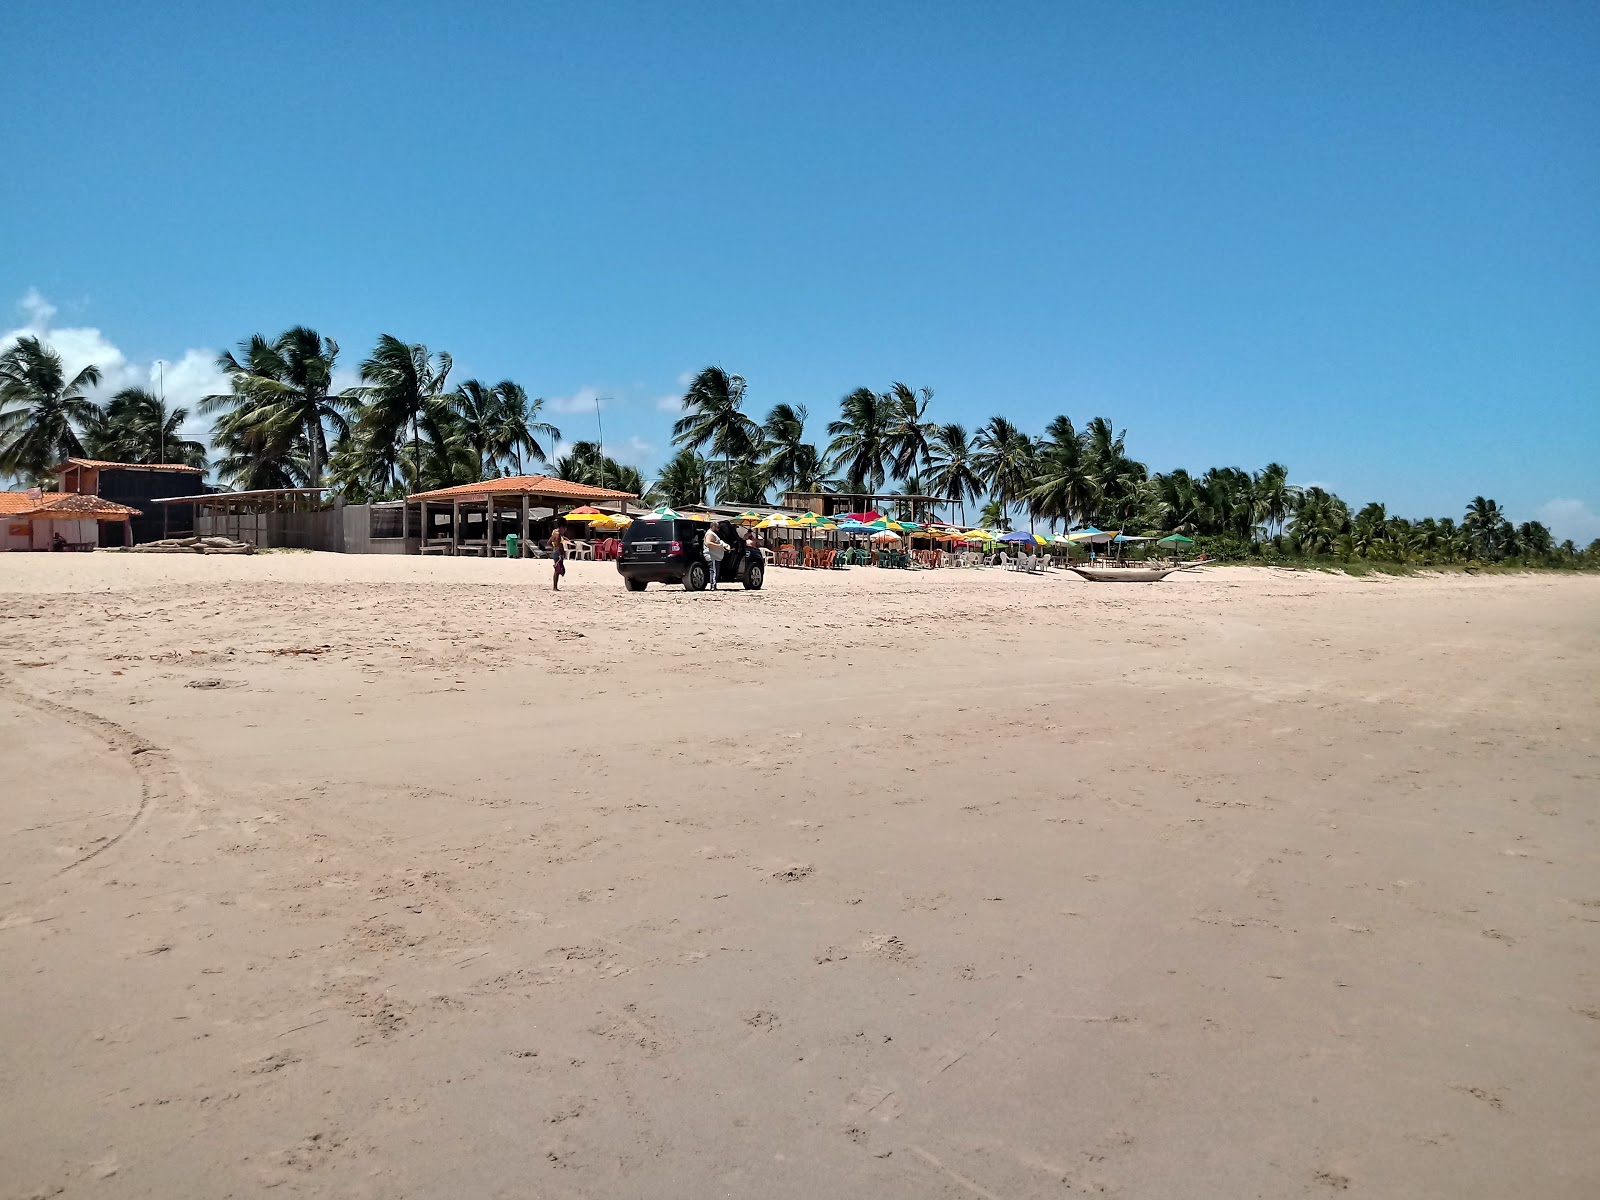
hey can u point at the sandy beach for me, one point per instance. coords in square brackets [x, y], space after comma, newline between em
[399, 877]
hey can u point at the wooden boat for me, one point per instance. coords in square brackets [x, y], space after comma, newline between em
[1140, 574]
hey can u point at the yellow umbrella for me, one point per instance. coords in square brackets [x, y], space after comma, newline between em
[776, 521]
[613, 522]
[586, 514]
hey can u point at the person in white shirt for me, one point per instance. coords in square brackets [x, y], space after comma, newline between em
[715, 548]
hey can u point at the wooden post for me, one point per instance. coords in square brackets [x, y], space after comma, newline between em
[523, 543]
[422, 515]
[455, 527]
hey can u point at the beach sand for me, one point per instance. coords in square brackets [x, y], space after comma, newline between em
[390, 877]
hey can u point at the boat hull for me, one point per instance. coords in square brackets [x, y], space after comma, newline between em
[1125, 574]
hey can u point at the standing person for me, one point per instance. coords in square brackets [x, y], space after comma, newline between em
[715, 548]
[558, 557]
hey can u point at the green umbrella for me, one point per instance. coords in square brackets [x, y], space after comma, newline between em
[1175, 539]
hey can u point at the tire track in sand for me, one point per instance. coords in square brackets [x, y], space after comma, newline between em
[159, 775]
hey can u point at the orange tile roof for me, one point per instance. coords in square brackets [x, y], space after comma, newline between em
[99, 462]
[519, 485]
[65, 504]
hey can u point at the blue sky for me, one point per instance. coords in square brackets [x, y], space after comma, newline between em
[1358, 239]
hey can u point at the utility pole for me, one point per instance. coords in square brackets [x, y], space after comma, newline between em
[600, 426]
[161, 411]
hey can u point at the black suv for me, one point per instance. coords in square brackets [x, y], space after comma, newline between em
[671, 550]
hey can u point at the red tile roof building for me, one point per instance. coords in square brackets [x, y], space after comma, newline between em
[546, 486]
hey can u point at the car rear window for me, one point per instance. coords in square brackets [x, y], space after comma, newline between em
[651, 531]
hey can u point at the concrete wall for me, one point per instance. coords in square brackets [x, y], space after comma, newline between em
[19, 534]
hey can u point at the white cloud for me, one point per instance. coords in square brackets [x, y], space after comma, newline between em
[1570, 519]
[344, 378]
[669, 404]
[186, 378]
[78, 347]
[632, 452]
[581, 401]
[40, 311]
[686, 379]
[185, 382]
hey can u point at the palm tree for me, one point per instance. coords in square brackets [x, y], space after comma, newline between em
[478, 408]
[1534, 538]
[256, 453]
[41, 410]
[908, 435]
[744, 482]
[1483, 522]
[994, 516]
[625, 478]
[1118, 480]
[684, 480]
[860, 440]
[1274, 496]
[1320, 518]
[811, 471]
[584, 462]
[1225, 503]
[404, 385]
[519, 428]
[587, 462]
[1174, 502]
[1066, 487]
[140, 428]
[785, 429]
[1368, 528]
[1005, 460]
[953, 474]
[713, 417]
[286, 382]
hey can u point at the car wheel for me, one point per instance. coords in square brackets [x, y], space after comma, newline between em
[635, 585]
[754, 577]
[695, 579]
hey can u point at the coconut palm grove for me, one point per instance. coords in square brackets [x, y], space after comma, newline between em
[408, 427]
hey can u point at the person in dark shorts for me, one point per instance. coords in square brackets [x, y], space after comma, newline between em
[558, 557]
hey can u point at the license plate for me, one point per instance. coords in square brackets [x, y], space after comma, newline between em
[643, 546]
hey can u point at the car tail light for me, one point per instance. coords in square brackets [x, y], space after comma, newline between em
[677, 548]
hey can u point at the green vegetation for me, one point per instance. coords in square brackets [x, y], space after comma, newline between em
[406, 428]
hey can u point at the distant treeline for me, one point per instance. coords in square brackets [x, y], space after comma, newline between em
[406, 427]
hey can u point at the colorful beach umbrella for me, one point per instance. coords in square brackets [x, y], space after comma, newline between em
[586, 513]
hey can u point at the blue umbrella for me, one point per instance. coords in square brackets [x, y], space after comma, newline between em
[1018, 536]
[856, 527]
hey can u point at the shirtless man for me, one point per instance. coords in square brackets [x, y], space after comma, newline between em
[558, 557]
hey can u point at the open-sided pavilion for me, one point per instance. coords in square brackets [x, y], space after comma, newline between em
[474, 518]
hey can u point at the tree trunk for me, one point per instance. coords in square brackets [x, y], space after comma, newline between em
[313, 437]
[416, 451]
